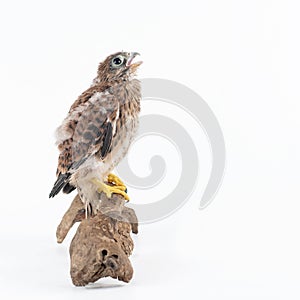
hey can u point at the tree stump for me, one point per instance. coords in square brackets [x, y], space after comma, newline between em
[102, 243]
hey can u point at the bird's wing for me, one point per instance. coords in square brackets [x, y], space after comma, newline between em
[94, 129]
[87, 130]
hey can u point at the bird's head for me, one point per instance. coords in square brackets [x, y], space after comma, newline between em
[118, 67]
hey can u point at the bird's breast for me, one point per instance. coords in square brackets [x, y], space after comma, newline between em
[125, 122]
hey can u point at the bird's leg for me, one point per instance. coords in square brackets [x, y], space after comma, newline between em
[109, 189]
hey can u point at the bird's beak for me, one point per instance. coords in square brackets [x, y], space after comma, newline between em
[131, 58]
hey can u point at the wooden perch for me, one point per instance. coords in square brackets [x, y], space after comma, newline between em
[102, 243]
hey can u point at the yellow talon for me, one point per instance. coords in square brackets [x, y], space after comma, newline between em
[114, 179]
[117, 182]
[109, 190]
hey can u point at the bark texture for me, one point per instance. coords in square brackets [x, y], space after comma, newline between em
[102, 243]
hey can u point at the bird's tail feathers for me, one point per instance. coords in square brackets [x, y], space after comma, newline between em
[60, 183]
[68, 188]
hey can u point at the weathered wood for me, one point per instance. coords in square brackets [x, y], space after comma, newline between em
[102, 243]
[75, 213]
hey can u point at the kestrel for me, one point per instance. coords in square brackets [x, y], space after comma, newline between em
[98, 131]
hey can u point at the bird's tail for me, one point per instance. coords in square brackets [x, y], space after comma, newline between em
[60, 183]
[68, 188]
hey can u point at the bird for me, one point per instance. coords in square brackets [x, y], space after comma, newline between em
[98, 130]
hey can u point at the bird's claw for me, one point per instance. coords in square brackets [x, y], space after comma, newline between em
[118, 186]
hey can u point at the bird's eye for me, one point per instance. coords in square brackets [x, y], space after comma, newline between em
[117, 61]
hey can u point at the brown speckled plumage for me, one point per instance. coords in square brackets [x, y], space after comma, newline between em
[100, 125]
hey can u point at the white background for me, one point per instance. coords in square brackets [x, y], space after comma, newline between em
[242, 57]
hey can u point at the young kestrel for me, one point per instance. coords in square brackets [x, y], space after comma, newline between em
[98, 130]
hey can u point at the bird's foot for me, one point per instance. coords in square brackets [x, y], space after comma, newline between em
[118, 188]
[117, 182]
